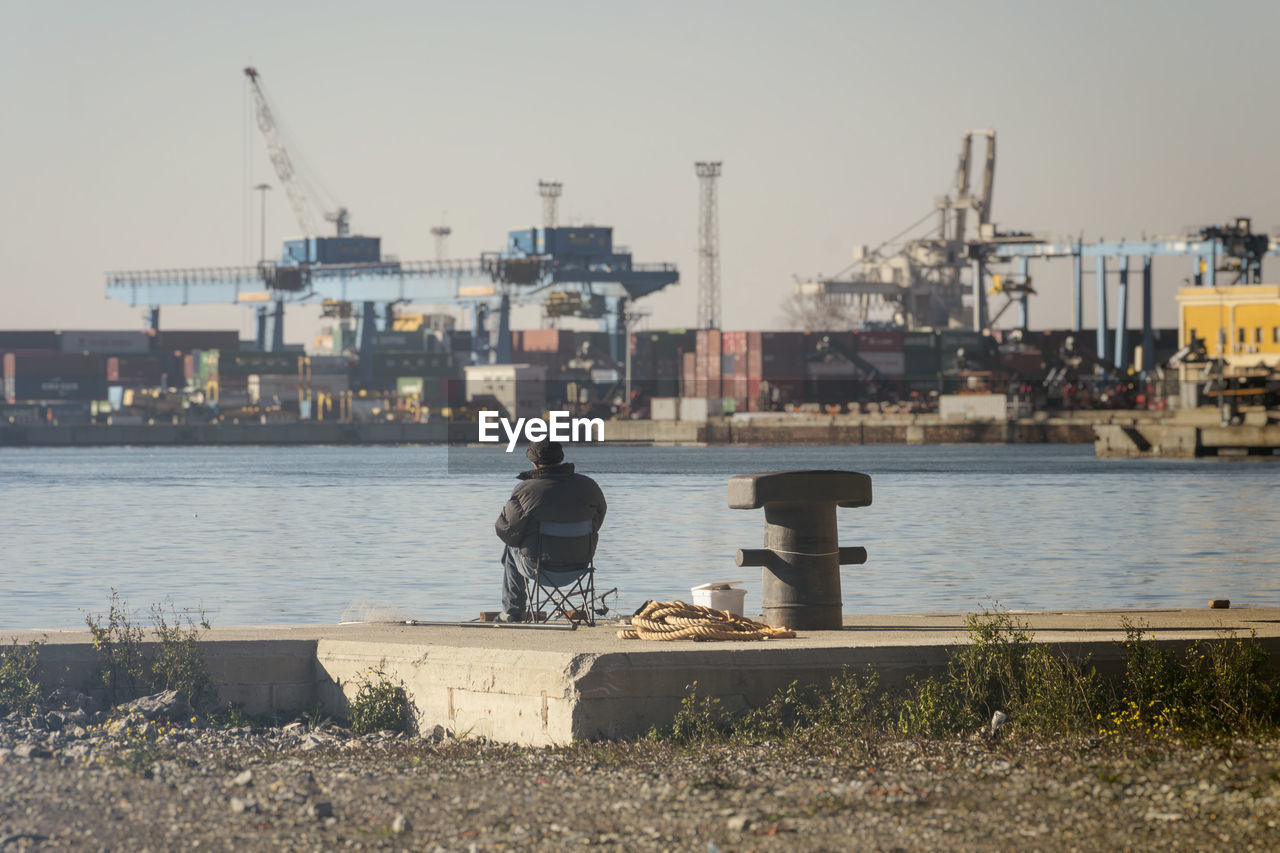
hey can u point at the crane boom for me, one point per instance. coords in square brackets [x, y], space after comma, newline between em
[280, 159]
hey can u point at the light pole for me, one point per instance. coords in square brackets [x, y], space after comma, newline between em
[262, 220]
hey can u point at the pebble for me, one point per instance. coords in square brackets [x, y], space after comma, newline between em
[470, 794]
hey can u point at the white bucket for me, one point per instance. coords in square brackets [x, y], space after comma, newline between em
[720, 599]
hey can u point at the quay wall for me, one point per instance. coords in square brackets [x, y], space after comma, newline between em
[816, 430]
[539, 686]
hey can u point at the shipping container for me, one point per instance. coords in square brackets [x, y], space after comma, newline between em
[699, 409]
[775, 355]
[547, 340]
[409, 386]
[26, 387]
[330, 364]
[579, 242]
[920, 362]
[273, 390]
[182, 340]
[919, 340]
[664, 408]
[391, 365]
[711, 348]
[1025, 362]
[885, 363]
[28, 340]
[249, 362]
[403, 341]
[879, 340]
[334, 250]
[43, 363]
[105, 342]
[734, 342]
[137, 371]
[952, 339]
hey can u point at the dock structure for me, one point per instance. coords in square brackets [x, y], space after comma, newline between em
[1180, 441]
[541, 686]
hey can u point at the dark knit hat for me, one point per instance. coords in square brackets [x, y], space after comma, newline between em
[545, 453]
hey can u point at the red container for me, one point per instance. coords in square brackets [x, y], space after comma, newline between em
[547, 340]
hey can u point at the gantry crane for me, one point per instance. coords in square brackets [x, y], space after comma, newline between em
[575, 271]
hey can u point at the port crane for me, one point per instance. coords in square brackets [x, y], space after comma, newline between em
[924, 279]
[574, 271]
[921, 278]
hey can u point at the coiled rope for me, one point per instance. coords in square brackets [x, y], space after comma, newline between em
[675, 620]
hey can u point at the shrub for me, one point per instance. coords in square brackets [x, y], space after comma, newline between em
[1214, 688]
[379, 705]
[122, 669]
[178, 663]
[19, 687]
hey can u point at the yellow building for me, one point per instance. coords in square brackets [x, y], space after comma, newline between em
[1240, 323]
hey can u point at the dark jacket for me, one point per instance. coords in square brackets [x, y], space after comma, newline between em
[556, 494]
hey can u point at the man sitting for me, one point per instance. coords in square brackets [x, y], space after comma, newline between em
[551, 492]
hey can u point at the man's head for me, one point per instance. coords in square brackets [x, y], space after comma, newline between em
[544, 453]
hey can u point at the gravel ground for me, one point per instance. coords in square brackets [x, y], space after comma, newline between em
[78, 778]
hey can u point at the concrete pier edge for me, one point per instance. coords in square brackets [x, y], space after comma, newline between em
[542, 687]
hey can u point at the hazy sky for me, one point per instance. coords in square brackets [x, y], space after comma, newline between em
[838, 123]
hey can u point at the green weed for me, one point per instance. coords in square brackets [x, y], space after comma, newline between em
[19, 687]
[1210, 689]
[379, 704]
[176, 662]
[699, 719]
[122, 666]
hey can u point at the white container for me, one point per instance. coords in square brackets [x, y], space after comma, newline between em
[720, 596]
[664, 408]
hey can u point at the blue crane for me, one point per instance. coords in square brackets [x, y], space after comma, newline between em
[1232, 249]
[569, 271]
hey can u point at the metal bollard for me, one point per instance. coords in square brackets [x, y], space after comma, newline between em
[801, 556]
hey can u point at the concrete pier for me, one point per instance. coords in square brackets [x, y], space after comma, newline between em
[1181, 441]
[540, 686]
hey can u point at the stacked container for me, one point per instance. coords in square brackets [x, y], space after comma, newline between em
[37, 376]
[189, 341]
[882, 350]
[733, 369]
[142, 371]
[657, 360]
[775, 369]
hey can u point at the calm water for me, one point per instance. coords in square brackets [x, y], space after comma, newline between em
[308, 535]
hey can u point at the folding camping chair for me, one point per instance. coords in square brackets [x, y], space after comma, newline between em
[566, 589]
